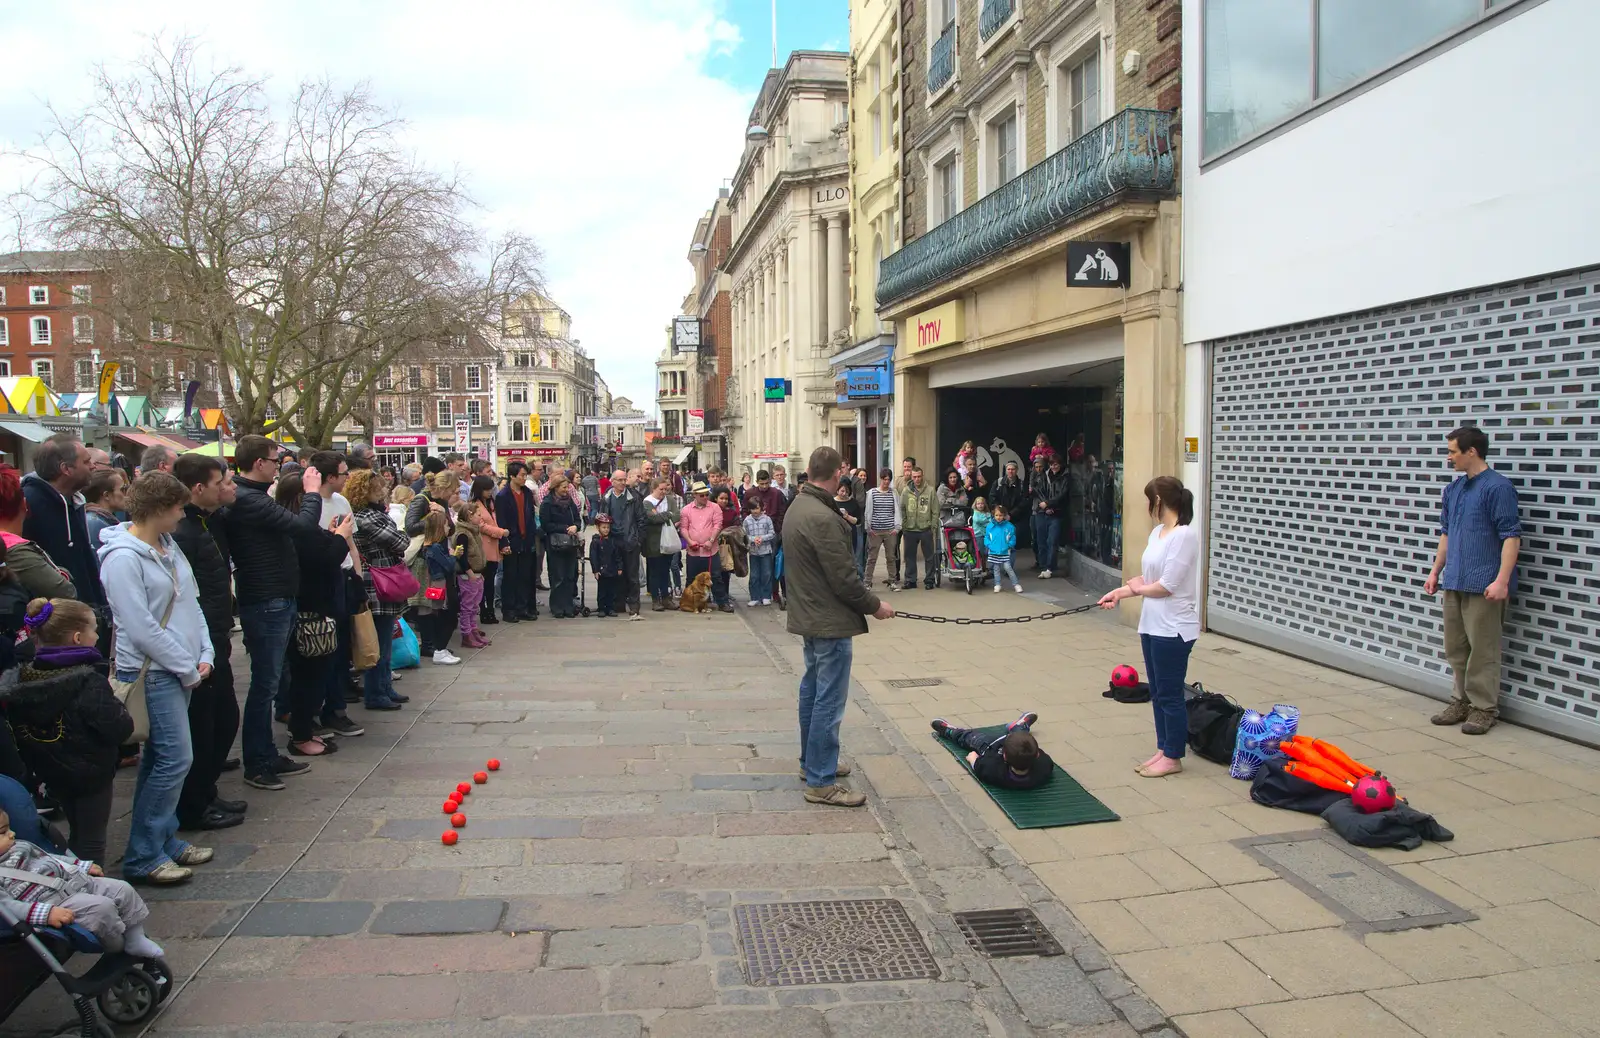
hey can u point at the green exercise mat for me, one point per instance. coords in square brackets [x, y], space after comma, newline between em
[1061, 801]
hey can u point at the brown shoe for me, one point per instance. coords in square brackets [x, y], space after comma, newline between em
[1478, 722]
[1455, 713]
[834, 796]
[842, 771]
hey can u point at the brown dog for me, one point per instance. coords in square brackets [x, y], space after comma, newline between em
[697, 596]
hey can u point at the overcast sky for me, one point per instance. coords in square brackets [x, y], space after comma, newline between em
[601, 127]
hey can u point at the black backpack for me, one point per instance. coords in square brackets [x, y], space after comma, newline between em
[1213, 725]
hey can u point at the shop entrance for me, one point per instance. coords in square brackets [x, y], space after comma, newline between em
[1080, 415]
[847, 445]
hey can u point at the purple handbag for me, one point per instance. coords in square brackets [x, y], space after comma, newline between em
[393, 583]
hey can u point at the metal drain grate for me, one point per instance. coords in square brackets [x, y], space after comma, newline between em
[1363, 891]
[914, 682]
[1003, 932]
[831, 942]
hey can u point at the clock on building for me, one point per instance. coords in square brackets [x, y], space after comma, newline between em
[685, 333]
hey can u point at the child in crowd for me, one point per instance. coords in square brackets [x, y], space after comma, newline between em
[67, 723]
[1013, 761]
[762, 536]
[400, 500]
[434, 565]
[999, 538]
[467, 545]
[59, 889]
[981, 518]
[963, 463]
[605, 562]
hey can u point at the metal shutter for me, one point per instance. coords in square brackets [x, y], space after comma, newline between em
[1327, 465]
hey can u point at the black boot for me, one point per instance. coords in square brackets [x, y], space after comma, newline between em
[486, 614]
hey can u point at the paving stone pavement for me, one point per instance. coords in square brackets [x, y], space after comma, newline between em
[648, 788]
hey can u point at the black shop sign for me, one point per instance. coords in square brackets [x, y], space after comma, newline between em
[1098, 264]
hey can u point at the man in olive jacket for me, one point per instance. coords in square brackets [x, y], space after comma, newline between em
[828, 606]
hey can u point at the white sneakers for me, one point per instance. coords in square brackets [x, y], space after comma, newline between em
[753, 603]
[1044, 574]
[997, 589]
[1015, 587]
[445, 658]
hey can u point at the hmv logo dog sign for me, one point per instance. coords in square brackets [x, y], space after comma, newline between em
[1097, 264]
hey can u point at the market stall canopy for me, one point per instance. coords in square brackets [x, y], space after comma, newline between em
[130, 410]
[30, 431]
[220, 449]
[27, 394]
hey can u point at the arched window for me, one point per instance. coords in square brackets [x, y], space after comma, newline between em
[519, 432]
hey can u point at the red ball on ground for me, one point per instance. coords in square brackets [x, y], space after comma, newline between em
[464, 788]
[458, 820]
[449, 837]
[450, 806]
[481, 777]
[494, 764]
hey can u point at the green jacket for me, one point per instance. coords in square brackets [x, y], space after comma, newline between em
[919, 509]
[826, 596]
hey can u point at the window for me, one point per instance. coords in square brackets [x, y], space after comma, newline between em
[128, 375]
[5, 331]
[1266, 60]
[83, 329]
[442, 379]
[547, 431]
[947, 178]
[41, 331]
[45, 371]
[475, 412]
[81, 295]
[519, 432]
[39, 295]
[5, 369]
[547, 392]
[2, 295]
[413, 378]
[443, 411]
[415, 415]
[875, 90]
[160, 331]
[386, 379]
[85, 370]
[517, 393]
[474, 377]
[386, 413]
[1003, 138]
[1083, 94]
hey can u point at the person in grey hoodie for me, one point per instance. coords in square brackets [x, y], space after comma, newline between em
[155, 607]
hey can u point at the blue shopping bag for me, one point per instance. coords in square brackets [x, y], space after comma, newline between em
[407, 650]
[777, 565]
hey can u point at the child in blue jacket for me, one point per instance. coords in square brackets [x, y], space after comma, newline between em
[999, 537]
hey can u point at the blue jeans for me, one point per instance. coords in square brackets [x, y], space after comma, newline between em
[1046, 536]
[1011, 574]
[823, 692]
[267, 627]
[1166, 664]
[163, 765]
[380, 679]
[760, 578]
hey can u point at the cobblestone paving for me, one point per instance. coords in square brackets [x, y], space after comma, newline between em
[649, 786]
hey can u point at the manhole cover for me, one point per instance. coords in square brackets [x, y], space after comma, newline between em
[1001, 933]
[831, 942]
[914, 682]
[1356, 886]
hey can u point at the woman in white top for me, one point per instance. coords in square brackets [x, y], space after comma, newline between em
[1169, 621]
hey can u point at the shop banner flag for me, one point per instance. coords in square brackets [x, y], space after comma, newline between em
[108, 375]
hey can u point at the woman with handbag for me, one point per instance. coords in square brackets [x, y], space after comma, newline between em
[481, 511]
[163, 651]
[321, 554]
[389, 582]
[661, 542]
[559, 517]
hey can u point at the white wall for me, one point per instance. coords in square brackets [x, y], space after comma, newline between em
[1475, 167]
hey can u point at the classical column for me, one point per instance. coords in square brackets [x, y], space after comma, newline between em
[837, 289]
[769, 283]
[783, 287]
[819, 283]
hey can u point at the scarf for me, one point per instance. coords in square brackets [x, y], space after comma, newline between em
[67, 655]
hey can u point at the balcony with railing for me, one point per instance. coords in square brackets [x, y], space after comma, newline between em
[995, 14]
[942, 59]
[1128, 157]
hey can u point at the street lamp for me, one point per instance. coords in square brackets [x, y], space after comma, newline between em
[758, 134]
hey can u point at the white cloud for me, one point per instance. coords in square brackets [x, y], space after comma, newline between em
[592, 126]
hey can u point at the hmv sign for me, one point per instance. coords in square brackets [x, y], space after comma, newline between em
[1098, 264]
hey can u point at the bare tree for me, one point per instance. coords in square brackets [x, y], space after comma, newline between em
[301, 253]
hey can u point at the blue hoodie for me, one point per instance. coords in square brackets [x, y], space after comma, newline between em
[999, 537]
[139, 582]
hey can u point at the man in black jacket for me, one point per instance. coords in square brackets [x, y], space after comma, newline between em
[1010, 491]
[213, 705]
[1050, 491]
[516, 513]
[260, 536]
[55, 522]
[626, 510]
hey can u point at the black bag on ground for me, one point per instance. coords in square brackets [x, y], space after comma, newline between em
[1214, 726]
[1400, 826]
[1275, 787]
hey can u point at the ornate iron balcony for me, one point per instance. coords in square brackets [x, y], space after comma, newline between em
[1127, 156]
[942, 61]
[995, 14]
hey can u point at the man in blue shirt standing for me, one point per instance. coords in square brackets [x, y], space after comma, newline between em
[1476, 566]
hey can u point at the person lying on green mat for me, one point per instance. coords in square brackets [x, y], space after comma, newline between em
[1013, 761]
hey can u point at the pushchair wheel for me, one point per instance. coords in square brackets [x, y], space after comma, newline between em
[587, 611]
[969, 581]
[158, 971]
[131, 999]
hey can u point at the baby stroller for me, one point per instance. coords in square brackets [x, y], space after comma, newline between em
[127, 989]
[958, 558]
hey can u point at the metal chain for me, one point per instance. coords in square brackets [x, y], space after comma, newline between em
[993, 619]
